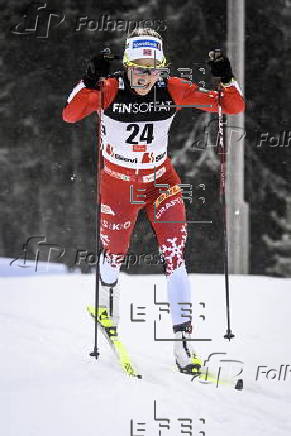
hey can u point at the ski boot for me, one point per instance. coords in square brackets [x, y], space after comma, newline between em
[108, 311]
[187, 360]
[106, 322]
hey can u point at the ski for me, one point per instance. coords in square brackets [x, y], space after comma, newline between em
[207, 377]
[204, 376]
[109, 331]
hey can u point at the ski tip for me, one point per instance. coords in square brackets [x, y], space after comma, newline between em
[91, 310]
[239, 385]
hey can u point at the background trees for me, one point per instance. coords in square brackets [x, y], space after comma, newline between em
[47, 166]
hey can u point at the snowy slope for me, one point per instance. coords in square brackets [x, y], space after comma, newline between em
[51, 386]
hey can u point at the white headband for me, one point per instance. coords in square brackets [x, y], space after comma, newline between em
[141, 47]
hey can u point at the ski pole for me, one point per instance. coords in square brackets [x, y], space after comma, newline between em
[222, 153]
[108, 55]
[95, 353]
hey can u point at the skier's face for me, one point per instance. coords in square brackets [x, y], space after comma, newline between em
[143, 77]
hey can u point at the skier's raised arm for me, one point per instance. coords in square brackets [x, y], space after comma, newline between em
[187, 93]
[85, 97]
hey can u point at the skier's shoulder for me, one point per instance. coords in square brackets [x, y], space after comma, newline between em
[178, 86]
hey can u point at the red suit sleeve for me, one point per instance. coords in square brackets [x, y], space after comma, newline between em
[189, 94]
[83, 101]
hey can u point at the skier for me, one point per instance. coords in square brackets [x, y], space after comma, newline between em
[139, 107]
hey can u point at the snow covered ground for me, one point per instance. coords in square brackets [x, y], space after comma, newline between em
[51, 386]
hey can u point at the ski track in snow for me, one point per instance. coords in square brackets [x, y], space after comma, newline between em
[51, 386]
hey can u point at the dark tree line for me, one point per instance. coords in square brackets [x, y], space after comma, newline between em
[48, 166]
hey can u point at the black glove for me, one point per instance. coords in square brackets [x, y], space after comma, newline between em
[97, 67]
[220, 66]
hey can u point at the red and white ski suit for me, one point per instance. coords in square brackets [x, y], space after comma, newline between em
[134, 147]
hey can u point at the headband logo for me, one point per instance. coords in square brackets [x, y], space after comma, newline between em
[147, 43]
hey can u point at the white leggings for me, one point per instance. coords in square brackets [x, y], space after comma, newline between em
[178, 287]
